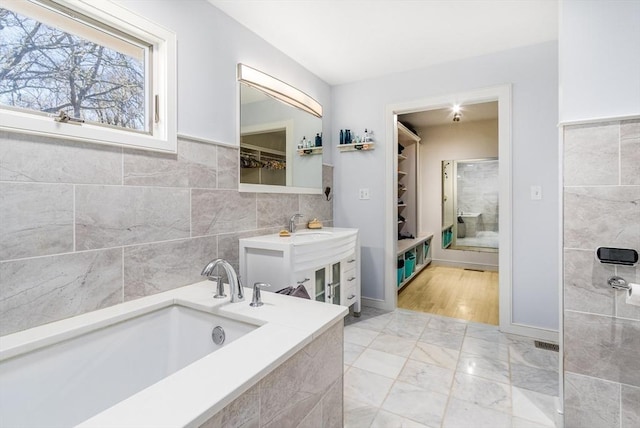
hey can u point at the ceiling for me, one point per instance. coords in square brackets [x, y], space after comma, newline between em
[444, 116]
[343, 41]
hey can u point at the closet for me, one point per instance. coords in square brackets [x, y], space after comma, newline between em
[263, 158]
[412, 249]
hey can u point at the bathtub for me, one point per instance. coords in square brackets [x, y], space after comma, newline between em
[150, 362]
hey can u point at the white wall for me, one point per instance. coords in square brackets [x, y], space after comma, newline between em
[599, 59]
[462, 140]
[533, 73]
[210, 45]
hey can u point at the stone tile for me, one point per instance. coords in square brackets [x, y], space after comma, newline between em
[312, 420]
[585, 283]
[359, 336]
[158, 267]
[407, 325]
[352, 352]
[377, 320]
[484, 367]
[535, 379]
[486, 332]
[602, 347]
[436, 355]
[595, 215]
[357, 414]
[315, 206]
[379, 362]
[243, 412]
[441, 338]
[36, 219]
[222, 211]
[109, 216]
[393, 344]
[590, 402]
[534, 407]
[275, 209]
[193, 166]
[41, 290]
[386, 420]
[415, 403]
[591, 154]
[485, 393]
[526, 353]
[228, 167]
[332, 406]
[58, 161]
[465, 414]
[450, 325]
[427, 376]
[524, 423]
[630, 407]
[630, 161]
[366, 387]
[472, 345]
[629, 129]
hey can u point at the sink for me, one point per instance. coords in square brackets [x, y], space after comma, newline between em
[309, 236]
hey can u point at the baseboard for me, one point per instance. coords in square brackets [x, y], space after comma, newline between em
[376, 303]
[533, 332]
[464, 265]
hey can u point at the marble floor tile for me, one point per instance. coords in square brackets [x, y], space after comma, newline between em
[372, 321]
[406, 325]
[533, 406]
[352, 352]
[427, 376]
[450, 325]
[436, 355]
[442, 338]
[357, 414]
[389, 420]
[483, 392]
[486, 332]
[379, 362]
[472, 345]
[359, 336]
[463, 414]
[517, 422]
[366, 387]
[415, 403]
[484, 367]
[393, 344]
[527, 354]
[535, 379]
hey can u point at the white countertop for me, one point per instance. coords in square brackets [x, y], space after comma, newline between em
[192, 395]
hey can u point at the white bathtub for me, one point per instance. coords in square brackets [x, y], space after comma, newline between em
[68, 382]
[150, 362]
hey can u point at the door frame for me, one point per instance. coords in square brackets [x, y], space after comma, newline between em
[502, 94]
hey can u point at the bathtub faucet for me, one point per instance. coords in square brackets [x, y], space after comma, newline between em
[237, 295]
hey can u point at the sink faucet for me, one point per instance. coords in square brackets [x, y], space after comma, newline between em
[292, 222]
[237, 295]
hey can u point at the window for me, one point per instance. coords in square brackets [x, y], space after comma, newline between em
[89, 71]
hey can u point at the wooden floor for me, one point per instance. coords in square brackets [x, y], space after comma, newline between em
[453, 292]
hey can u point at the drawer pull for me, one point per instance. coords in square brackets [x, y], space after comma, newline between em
[351, 279]
[351, 297]
[303, 281]
[351, 261]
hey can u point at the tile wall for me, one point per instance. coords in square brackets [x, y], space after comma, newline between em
[601, 332]
[86, 226]
[478, 190]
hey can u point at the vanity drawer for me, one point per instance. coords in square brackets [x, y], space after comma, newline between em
[349, 284]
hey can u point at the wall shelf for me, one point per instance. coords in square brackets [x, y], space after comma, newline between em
[356, 147]
[310, 151]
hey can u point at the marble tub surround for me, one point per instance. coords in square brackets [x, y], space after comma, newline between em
[601, 331]
[405, 368]
[150, 220]
[283, 379]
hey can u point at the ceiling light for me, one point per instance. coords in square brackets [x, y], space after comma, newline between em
[456, 117]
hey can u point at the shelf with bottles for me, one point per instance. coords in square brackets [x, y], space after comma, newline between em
[310, 151]
[356, 147]
[349, 142]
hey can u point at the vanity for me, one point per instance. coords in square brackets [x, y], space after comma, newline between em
[325, 261]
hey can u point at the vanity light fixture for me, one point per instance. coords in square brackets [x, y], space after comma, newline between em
[278, 89]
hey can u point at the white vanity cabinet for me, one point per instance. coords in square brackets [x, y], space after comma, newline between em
[325, 261]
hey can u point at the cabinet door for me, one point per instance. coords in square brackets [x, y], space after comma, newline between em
[334, 285]
[321, 282]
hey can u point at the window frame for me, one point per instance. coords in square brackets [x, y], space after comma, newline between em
[161, 77]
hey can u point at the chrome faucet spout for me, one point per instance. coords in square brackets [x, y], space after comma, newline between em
[292, 222]
[237, 293]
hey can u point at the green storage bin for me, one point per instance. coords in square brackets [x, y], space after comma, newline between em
[409, 264]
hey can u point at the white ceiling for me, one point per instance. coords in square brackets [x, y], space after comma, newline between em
[349, 40]
[444, 116]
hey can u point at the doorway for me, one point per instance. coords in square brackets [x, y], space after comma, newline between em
[501, 95]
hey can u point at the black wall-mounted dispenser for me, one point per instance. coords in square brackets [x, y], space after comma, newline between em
[617, 256]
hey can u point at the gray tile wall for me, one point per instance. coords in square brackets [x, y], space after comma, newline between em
[299, 393]
[601, 331]
[478, 190]
[86, 226]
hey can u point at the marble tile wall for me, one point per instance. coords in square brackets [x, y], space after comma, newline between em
[299, 393]
[86, 226]
[601, 331]
[478, 190]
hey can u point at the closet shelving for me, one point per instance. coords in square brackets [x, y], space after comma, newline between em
[259, 165]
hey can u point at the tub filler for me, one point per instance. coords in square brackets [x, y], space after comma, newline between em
[149, 362]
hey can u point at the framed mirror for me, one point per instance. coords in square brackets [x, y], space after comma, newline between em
[470, 189]
[280, 136]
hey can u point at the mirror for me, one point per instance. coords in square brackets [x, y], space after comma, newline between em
[470, 190]
[280, 136]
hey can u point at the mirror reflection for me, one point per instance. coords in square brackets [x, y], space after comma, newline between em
[470, 191]
[270, 134]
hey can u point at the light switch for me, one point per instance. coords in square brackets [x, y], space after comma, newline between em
[536, 193]
[364, 193]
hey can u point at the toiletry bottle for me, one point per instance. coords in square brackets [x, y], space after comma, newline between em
[347, 137]
[318, 143]
[321, 139]
[341, 136]
[304, 143]
[300, 145]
